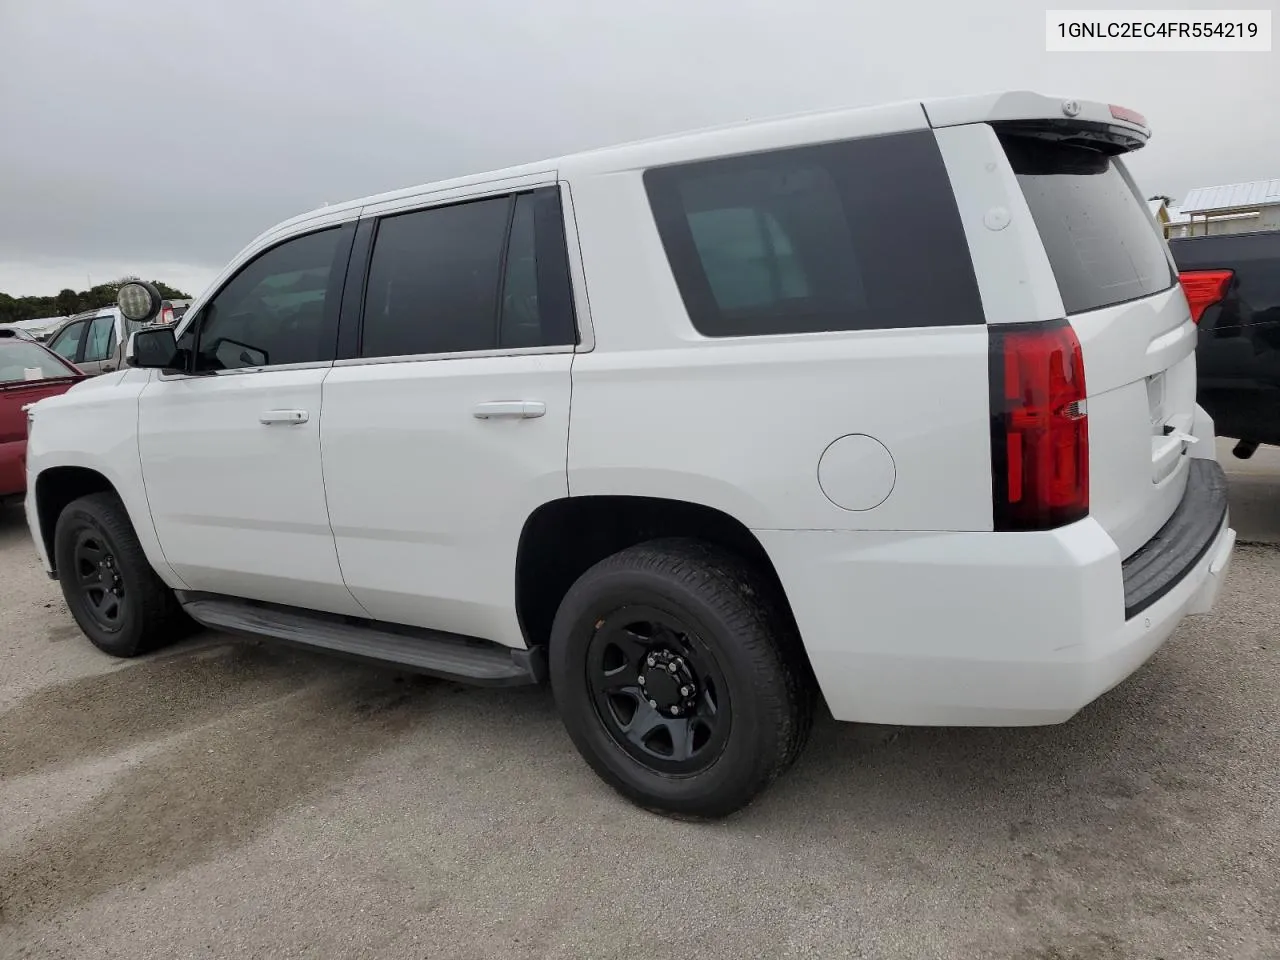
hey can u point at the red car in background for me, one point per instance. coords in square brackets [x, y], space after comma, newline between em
[29, 371]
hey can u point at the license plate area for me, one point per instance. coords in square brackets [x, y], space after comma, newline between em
[1156, 402]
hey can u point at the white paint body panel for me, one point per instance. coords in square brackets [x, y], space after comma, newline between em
[974, 629]
[741, 425]
[428, 501]
[238, 505]
[94, 425]
[392, 500]
[1131, 495]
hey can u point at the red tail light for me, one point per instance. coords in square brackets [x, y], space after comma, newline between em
[166, 315]
[1204, 288]
[1039, 427]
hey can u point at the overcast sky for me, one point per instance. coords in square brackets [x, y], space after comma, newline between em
[158, 137]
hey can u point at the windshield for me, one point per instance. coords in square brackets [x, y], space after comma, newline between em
[23, 361]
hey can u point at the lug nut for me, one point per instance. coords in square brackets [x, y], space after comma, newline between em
[653, 703]
[640, 679]
[652, 661]
[684, 691]
[675, 711]
[672, 667]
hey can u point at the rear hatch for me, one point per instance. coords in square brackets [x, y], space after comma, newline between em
[1121, 296]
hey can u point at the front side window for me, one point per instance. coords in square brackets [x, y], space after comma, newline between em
[278, 309]
[101, 340]
[854, 235]
[67, 343]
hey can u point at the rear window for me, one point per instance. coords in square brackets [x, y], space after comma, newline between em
[855, 235]
[21, 360]
[1095, 229]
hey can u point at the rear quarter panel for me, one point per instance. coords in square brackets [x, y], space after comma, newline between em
[740, 424]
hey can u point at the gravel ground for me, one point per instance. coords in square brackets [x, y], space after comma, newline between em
[231, 799]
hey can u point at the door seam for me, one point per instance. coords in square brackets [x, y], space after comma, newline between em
[324, 489]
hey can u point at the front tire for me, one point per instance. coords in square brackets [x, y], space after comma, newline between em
[109, 586]
[680, 678]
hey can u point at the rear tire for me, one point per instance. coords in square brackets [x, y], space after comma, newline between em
[680, 677]
[110, 588]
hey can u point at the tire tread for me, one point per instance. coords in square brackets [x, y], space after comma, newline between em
[161, 619]
[750, 610]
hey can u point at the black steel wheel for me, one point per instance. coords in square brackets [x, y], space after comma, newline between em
[108, 583]
[679, 675]
[98, 579]
[658, 690]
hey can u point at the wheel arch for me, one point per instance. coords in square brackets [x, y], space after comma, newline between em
[58, 484]
[563, 538]
[55, 489]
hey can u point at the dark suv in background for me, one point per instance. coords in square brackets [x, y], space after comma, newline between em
[1233, 285]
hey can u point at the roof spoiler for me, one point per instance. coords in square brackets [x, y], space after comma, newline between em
[1100, 126]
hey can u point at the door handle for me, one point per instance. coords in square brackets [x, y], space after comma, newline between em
[509, 409]
[293, 417]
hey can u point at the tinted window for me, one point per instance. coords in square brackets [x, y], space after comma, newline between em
[433, 280]
[1096, 231]
[439, 281]
[748, 258]
[278, 309]
[537, 300]
[520, 323]
[23, 360]
[101, 340]
[67, 342]
[844, 236]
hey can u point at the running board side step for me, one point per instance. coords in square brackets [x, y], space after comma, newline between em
[430, 652]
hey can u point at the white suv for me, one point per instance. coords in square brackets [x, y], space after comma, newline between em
[895, 406]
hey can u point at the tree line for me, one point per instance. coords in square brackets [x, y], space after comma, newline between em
[68, 301]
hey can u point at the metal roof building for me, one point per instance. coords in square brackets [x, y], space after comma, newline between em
[1232, 196]
[1230, 208]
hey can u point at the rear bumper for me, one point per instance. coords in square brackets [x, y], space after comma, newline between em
[985, 629]
[1161, 563]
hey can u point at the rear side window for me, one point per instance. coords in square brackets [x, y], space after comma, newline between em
[433, 280]
[1095, 229]
[473, 276]
[856, 235]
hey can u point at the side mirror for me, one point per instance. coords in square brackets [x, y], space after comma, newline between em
[152, 348]
[139, 302]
